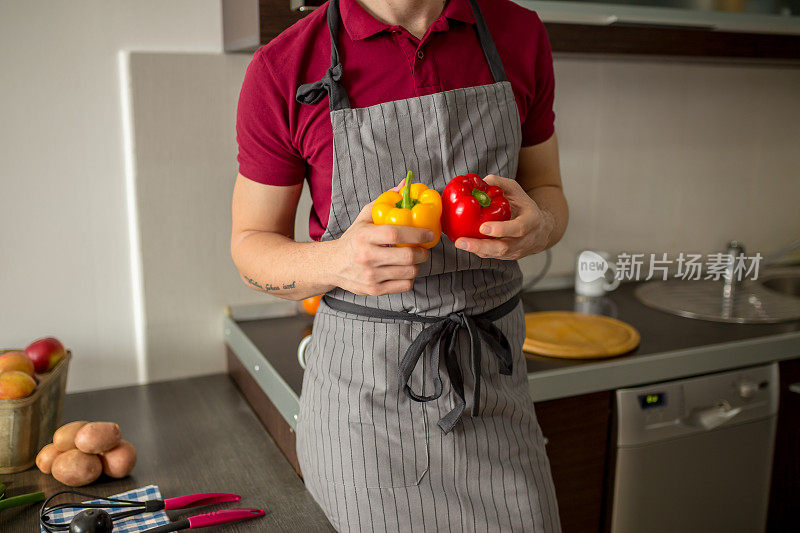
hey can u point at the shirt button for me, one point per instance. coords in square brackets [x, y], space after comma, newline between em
[420, 55]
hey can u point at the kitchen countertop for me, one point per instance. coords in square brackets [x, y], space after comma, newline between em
[191, 435]
[671, 347]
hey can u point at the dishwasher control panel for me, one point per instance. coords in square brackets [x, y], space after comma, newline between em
[683, 407]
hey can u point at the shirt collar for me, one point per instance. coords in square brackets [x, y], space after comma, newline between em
[360, 24]
[459, 10]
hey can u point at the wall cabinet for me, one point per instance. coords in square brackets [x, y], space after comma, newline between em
[247, 24]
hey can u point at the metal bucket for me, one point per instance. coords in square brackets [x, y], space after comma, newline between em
[27, 424]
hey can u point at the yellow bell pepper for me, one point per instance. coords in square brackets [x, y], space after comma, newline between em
[417, 206]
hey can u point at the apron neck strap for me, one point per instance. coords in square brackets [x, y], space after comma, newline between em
[487, 44]
[311, 93]
[330, 84]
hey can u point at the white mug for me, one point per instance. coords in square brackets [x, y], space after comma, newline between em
[592, 272]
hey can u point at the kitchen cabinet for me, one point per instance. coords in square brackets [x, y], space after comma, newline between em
[572, 28]
[265, 410]
[247, 24]
[577, 431]
[784, 505]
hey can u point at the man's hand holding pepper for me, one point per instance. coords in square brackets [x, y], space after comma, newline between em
[368, 260]
[528, 232]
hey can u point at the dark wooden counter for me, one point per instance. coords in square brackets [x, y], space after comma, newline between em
[192, 435]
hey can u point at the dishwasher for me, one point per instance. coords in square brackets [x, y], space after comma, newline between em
[695, 455]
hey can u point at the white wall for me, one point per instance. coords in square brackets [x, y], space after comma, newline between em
[185, 165]
[184, 111]
[65, 261]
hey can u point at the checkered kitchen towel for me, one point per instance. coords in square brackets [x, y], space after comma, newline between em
[133, 524]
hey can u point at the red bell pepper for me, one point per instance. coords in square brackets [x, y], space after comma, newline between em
[468, 202]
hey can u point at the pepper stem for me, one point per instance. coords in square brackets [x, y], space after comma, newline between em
[483, 198]
[407, 202]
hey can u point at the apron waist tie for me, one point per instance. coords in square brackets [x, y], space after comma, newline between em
[443, 332]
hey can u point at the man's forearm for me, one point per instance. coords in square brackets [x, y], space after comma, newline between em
[275, 264]
[553, 204]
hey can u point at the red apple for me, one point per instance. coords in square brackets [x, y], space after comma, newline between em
[45, 353]
[16, 361]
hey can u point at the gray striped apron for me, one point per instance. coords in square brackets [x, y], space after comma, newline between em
[384, 440]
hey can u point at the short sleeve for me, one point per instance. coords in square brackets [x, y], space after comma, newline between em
[539, 123]
[266, 154]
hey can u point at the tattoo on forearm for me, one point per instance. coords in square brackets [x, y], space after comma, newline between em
[269, 286]
[253, 282]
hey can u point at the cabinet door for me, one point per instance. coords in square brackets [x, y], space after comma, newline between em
[784, 505]
[577, 431]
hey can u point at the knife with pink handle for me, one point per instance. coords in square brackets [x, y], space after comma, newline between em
[196, 500]
[214, 518]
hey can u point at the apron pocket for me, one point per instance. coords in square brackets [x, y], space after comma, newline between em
[367, 433]
[387, 452]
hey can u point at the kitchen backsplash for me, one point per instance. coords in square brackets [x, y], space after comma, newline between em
[664, 156]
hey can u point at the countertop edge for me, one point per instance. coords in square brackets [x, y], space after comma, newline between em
[563, 382]
[279, 392]
[628, 372]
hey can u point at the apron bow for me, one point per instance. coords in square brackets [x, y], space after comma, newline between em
[311, 93]
[444, 333]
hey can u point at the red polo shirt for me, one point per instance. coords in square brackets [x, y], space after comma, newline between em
[282, 142]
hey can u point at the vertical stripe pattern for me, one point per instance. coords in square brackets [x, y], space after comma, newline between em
[373, 459]
[438, 137]
[376, 461]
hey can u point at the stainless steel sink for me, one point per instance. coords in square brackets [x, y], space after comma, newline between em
[775, 297]
[787, 283]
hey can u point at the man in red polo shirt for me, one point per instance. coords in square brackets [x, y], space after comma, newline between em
[348, 99]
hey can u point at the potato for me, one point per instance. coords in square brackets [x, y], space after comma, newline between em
[64, 437]
[98, 437]
[120, 461]
[75, 468]
[45, 458]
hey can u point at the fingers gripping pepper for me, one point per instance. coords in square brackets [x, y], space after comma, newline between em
[417, 206]
[468, 202]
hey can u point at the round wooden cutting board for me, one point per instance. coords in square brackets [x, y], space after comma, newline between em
[577, 335]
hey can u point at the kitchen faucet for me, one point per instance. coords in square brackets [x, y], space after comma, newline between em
[730, 280]
[736, 249]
